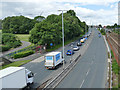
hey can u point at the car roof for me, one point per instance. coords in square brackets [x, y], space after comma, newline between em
[69, 50]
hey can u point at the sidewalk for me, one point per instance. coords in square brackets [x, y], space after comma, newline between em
[24, 44]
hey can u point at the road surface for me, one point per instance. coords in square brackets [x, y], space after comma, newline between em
[40, 71]
[91, 70]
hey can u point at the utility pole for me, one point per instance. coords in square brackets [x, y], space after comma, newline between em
[63, 37]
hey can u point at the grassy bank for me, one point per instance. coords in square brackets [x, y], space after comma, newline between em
[66, 42]
[115, 69]
[15, 64]
[23, 37]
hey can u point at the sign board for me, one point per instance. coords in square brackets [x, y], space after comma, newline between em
[49, 57]
[51, 44]
[57, 57]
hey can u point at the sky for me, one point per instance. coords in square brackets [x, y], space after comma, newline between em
[95, 12]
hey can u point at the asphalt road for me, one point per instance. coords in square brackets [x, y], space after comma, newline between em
[91, 70]
[40, 71]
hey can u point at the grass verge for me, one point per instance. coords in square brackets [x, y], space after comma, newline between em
[115, 69]
[66, 42]
[15, 64]
[23, 37]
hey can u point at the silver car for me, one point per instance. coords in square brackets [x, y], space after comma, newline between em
[75, 48]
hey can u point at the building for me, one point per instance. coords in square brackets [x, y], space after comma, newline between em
[119, 13]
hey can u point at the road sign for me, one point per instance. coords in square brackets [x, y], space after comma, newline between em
[51, 44]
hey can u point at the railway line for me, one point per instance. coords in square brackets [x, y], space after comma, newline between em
[114, 42]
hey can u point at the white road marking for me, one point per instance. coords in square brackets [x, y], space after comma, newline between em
[31, 66]
[35, 74]
[82, 83]
[91, 62]
[87, 71]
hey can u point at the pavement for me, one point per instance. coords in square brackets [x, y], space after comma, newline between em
[24, 44]
[91, 70]
[41, 73]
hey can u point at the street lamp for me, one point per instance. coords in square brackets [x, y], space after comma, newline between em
[63, 36]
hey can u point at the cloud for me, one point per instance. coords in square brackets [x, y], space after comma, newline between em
[32, 8]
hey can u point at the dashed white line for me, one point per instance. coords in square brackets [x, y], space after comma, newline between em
[35, 74]
[82, 83]
[87, 72]
[31, 66]
[91, 62]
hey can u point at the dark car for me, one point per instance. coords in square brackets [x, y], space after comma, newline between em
[79, 44]
[70, 52]
[99, 35]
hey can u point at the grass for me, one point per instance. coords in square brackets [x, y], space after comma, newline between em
[15, 64]
[112, 54]
[66, 42]
[115, 66]
[23, 37]
[115, 69]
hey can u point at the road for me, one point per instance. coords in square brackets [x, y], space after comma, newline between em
[91, 70]
[40, 71]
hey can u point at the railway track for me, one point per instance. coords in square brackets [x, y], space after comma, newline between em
[114, 40]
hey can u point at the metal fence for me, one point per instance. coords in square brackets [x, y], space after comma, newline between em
[22, 50]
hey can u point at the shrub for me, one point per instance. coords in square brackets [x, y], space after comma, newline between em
[23, 54]
[5, 48]
[115, 66]
[102, 32]
[10, 40]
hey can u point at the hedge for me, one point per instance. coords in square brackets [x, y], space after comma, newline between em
[4, 48]
[23, 54]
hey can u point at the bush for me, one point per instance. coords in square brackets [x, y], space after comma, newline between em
[102, 32]
[23, 54]
[5, 48]
[115, 66]
[10, 40]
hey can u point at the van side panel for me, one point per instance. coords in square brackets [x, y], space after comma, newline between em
[15, 80]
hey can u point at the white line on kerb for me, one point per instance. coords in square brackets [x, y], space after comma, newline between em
[82, 83]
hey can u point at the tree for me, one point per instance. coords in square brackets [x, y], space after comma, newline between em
[115, 25]
[39, 18]
[100, 26]
[50, 30]
[10, 40]
[0, 24]
[17, 25]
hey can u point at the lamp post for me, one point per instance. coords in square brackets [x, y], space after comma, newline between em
[63, 36]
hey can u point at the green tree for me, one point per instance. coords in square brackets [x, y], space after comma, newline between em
[10, 40]
[17, 25]
[50, 30]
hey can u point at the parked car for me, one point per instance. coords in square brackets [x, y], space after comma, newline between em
[79, 44]
[75, 48]
[70, 52]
